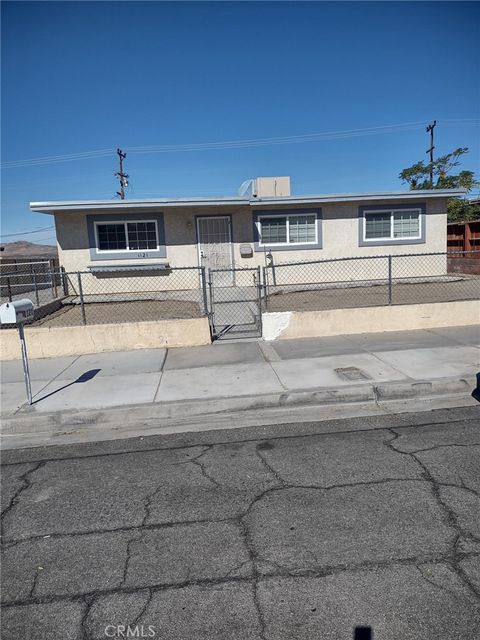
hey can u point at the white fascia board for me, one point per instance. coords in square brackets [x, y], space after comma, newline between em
[108, 205]
[362, 197]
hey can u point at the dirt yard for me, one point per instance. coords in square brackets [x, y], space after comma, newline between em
[114, 312]
[372, 296]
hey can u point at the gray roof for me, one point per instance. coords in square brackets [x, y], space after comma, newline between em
[237, 201]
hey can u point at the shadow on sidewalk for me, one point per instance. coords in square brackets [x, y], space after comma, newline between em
[85, 377]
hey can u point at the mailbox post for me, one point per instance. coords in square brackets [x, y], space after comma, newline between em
[19, 312]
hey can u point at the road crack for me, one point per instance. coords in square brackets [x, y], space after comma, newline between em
[267, 465]
[88, 601]
[128, 558]
[144, 608]
[27, 482]
[450, 517]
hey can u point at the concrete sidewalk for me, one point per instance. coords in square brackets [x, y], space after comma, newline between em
[246, 375]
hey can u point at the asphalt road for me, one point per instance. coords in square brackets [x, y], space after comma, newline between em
[287, 532]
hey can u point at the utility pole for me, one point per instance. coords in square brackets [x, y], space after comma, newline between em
[430, 129]
[122, 177]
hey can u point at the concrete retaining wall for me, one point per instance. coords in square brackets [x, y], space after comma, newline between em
[48, 342]
[335, 322]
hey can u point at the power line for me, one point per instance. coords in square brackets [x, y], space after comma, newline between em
[237, 144]
[25, 233]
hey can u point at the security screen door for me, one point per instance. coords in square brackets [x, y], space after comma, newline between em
[215, 247]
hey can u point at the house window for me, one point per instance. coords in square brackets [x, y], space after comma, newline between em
[288, 229]
[127, 236]
[400, 224]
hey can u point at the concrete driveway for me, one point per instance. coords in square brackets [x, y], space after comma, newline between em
[297, 531]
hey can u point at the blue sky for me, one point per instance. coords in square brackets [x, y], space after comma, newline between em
[86, 76]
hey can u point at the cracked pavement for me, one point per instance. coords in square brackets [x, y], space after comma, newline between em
[263, 533]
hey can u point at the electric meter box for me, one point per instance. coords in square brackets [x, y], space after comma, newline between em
[16, 312]
[246, 251]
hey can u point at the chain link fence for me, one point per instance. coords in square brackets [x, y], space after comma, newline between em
[231, 297]
[28, 279]
[113, 295]
[366, 282]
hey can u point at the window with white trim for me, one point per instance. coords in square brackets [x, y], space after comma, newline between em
[127, 236]
[288, 229]
[392, 224]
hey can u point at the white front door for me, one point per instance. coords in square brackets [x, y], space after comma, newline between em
[215, 247]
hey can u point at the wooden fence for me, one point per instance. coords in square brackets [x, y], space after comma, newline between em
[464, 236]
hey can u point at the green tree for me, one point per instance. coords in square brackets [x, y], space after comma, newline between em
[462, 210]
[418, 177]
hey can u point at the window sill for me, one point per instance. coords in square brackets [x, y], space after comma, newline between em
[128, 267]
[287, 247]
[386, 243]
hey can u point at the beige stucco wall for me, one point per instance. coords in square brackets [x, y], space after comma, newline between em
[336, 322]
[339, 230]
[49, 342]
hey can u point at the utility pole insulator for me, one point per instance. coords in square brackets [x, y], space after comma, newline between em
[122, 177]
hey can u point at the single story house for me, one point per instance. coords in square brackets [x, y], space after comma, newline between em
[224, 232]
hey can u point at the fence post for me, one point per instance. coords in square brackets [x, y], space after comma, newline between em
[55, 286]
[9, 289]
[265, 287]
[35, 286]
[390, 279]
[53, 280]
[82, 303]
[64, 281]
[212, 308]
[203, 277]
[259, 296]
[52, 286]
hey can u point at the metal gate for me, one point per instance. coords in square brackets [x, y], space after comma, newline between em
[235, 308]
[215, 251]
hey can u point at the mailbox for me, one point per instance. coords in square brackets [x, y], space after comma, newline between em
[19, 312]
[16, 312]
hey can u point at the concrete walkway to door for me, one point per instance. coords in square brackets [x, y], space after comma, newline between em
[235, 376]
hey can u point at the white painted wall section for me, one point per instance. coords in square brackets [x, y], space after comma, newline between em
[274, 324]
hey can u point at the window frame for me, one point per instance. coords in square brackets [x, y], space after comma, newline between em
[93, 221]
[125, 223]
[259, 216]
[392, 210]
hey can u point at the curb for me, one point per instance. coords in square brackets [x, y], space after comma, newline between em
[30, 420]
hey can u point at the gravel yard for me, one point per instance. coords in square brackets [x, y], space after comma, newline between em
[114, 312]
[315, 298]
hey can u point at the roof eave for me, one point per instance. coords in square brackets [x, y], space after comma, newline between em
[77, 206]
[85, 205]
[357, 197]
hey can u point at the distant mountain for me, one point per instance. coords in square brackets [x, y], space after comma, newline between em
[23, 248]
